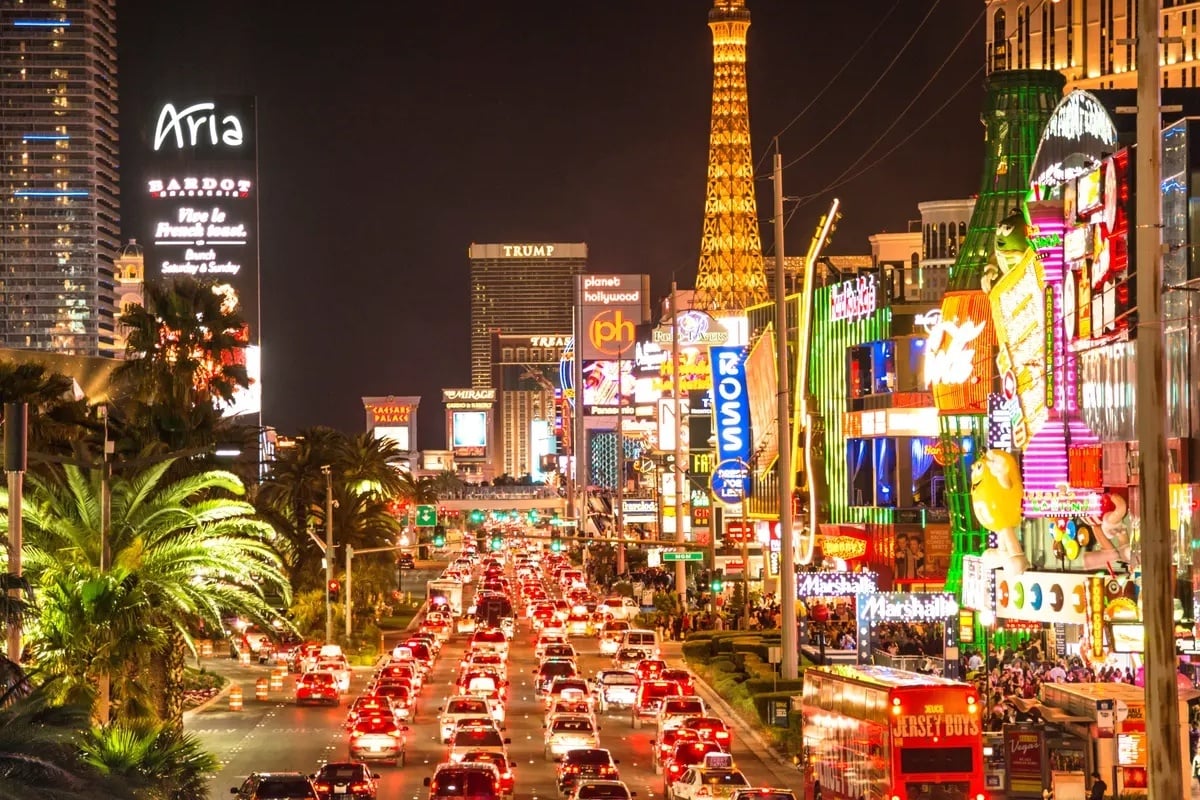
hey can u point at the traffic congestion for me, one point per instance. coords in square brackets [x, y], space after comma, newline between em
[523, 683]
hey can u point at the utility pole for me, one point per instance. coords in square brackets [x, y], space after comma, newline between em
[328, 473]
[105, 493]
[349, 589]
[1158, 573]
[790, 647]
[618, 515]
[16, 461]
[679, 472]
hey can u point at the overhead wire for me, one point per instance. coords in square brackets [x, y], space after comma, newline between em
[883, 74]
[913, 101]
[828, 85]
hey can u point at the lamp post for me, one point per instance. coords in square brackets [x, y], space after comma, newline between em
[328, 473]
[987, 618]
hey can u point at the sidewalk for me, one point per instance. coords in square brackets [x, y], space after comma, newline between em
[779, 765]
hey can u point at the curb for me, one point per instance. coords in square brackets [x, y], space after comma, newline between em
[191, 713]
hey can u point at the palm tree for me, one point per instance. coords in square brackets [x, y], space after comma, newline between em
[184, 355]
[168, 764]
[417, 491]
[181, 552]
[368, 463]
[447, 483]
[39, 754]
[57, 416]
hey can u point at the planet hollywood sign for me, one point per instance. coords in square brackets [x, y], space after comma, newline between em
[854, 299]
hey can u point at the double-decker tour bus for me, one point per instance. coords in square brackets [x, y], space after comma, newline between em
[876, 733]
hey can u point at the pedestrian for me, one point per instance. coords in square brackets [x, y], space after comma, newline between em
[1099, 787]
[677, 627]
[817, 790]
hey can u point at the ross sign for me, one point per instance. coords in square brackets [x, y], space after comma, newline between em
[958, 363]
[201, 214]
[426, 516]
[853, 299]
[731, 398]
[468, 395]
[835, 584]
[687, 555]
[611, 308]
[730, 481]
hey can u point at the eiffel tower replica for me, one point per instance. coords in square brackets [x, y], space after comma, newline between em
[731, 276]
[1018, 106]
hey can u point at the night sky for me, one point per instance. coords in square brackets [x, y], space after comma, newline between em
[393, 134]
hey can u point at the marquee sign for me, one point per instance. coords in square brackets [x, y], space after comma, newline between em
[1050, 597]
[468, 395]
[875, 608]
[958, 363]
[732, 398]
[610, 309]
[854, 299]
[199, 125]
[835, 584]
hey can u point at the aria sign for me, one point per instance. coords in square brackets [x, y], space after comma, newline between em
[197, 125]
[854, 299]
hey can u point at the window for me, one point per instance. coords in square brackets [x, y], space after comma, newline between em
[926, 760]
[999, 41]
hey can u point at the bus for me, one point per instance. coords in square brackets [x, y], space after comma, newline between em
[877, 733]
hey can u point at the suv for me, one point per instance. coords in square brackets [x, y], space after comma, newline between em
[464, 781]
[584, 763]
[638, 639]
[276, 786]
[346, 778]
[674, 710]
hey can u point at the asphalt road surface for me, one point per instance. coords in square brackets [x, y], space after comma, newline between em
[277, 735]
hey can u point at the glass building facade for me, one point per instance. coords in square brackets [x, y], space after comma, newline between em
[60, 221]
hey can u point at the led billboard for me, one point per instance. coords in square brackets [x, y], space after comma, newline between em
[201, 184]
[469, 433]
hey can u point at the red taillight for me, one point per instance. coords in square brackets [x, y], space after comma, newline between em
[359, 788]
[323, 787]
[722, 734]
[675, 768]
[704, 791]
[507, 776]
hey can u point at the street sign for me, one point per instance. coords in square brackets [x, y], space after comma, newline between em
[690, 555]
[731, 481]
[426, 516]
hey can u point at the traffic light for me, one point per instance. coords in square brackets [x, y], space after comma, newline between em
[335, 590]
[497, 543]
[718, 581]
[533, 516]
[439, 535]
[477, 517]
[556, 545]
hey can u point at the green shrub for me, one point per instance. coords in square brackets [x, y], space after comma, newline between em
[696, 651]
[722, 664]
[761, 703]
[696, 636]
[194, 679]
[622, 589]
[768, 685]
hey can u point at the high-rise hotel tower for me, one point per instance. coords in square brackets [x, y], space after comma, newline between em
[59, 196]
[524, 289]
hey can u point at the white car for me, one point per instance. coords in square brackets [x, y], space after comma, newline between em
[593, 789]
[611, 635]
[546, 639]
[475, 738]
[489, 641]
[616, 688]
[509, 626]
[706, 781]
[674, 710]
[458, 708]
[339, 667]
[465, 624]
[561, 706]
[491, 661]
[570, 732]
[623, 608]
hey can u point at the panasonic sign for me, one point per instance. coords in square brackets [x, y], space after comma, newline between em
[731, 403]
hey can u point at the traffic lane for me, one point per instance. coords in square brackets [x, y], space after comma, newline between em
[276, 735]
[618, 727]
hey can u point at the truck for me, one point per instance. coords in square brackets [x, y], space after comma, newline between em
[446, 594]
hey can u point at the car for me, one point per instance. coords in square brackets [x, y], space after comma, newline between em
[650, 669]
[370, 704]
[685, 679]
[406, 561]
[477, 737]
[482, 684]
[465, 624]
[561, 706]
[317, 687]
[663, 746]
[706, 782]
[550, 670]
[621, 608]
[615, 688]
[568, 732]
[378, 736]
[509, 626]
[404, 702]
[501, 763]
[400, 670]
[460, 707]
[346, 780]
[546, 639]
[628, 658]
[762, 793]
[339, 667]
[492, 661]
[710, 728]
[569, 689]
[578, 625]
[585, 763]
[492, 639]
[276, 786]
[641, 639]
[464, 781]
[601, 790]
[674, 710]
[650, 695]
[611, 635]
[560, 651]
[687, 753]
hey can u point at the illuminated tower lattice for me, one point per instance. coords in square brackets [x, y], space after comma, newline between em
[731, 271]
[1018, 106]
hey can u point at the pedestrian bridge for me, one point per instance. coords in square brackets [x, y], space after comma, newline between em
[504, 498]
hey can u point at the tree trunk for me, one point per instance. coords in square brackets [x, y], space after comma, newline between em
[103, 709]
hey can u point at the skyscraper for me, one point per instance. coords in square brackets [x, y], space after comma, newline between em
[731, 273]
[59, 196]
[520, 289]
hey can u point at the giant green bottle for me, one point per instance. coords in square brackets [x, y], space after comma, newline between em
[1018, 106]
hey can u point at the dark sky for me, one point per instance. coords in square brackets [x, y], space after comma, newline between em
[393, 134]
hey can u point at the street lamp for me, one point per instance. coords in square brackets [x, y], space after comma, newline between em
[328, 473]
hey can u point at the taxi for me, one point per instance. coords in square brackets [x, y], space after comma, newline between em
[715, 777]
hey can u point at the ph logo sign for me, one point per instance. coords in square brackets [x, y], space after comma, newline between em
[611, 332]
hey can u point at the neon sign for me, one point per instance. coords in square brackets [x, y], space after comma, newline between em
[951, 356]
[835, 584]
[853, 299]
[732, 403]
[527, 250]
[190, 186]
[188, 127]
